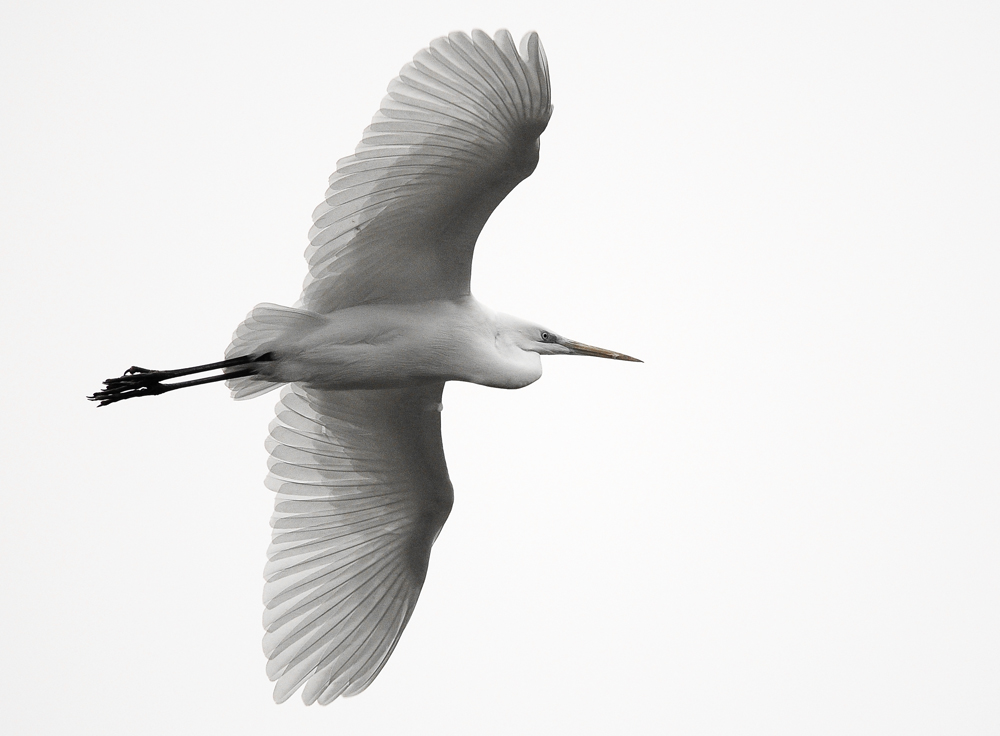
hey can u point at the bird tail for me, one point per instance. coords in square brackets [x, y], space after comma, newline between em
[258, 334]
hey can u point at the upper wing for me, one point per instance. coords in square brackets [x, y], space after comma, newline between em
[363, 491]
[456, 133]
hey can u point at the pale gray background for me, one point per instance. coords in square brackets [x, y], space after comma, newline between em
[785, 522]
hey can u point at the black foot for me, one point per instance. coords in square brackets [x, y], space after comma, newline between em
[134, 382]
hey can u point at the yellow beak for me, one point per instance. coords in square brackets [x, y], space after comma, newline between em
[579, 348]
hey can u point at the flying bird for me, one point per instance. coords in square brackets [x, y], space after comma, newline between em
[386, 317]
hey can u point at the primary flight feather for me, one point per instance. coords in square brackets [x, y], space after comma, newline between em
[386, 317]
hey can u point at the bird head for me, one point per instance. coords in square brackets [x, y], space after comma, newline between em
[538, 339]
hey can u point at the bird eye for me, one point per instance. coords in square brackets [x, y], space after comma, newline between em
[548, 337]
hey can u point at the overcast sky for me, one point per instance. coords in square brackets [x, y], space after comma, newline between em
[784, 522]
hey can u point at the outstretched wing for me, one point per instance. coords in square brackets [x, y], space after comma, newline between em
[362, 492]
[457, 132]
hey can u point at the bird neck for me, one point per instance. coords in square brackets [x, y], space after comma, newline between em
[501, 362]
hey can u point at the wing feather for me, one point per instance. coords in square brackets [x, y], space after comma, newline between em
[456, 132]
[362, 492]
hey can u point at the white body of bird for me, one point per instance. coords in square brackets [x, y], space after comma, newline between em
[390, 346]
[385, 319]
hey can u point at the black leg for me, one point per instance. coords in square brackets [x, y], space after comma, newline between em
[138, 381]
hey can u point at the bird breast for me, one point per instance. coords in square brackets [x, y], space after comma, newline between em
[398, 345]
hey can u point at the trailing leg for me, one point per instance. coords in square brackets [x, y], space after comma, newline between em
[138, 381]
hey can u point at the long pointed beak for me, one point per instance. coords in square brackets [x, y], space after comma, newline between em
[579, 348]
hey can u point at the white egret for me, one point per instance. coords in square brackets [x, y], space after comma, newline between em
[385, 319]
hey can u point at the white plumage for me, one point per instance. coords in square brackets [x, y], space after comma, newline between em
[362, 485]
[456, 133]
[385, 319]
[362, 492]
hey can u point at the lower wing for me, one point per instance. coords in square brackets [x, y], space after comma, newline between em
[362, 492]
